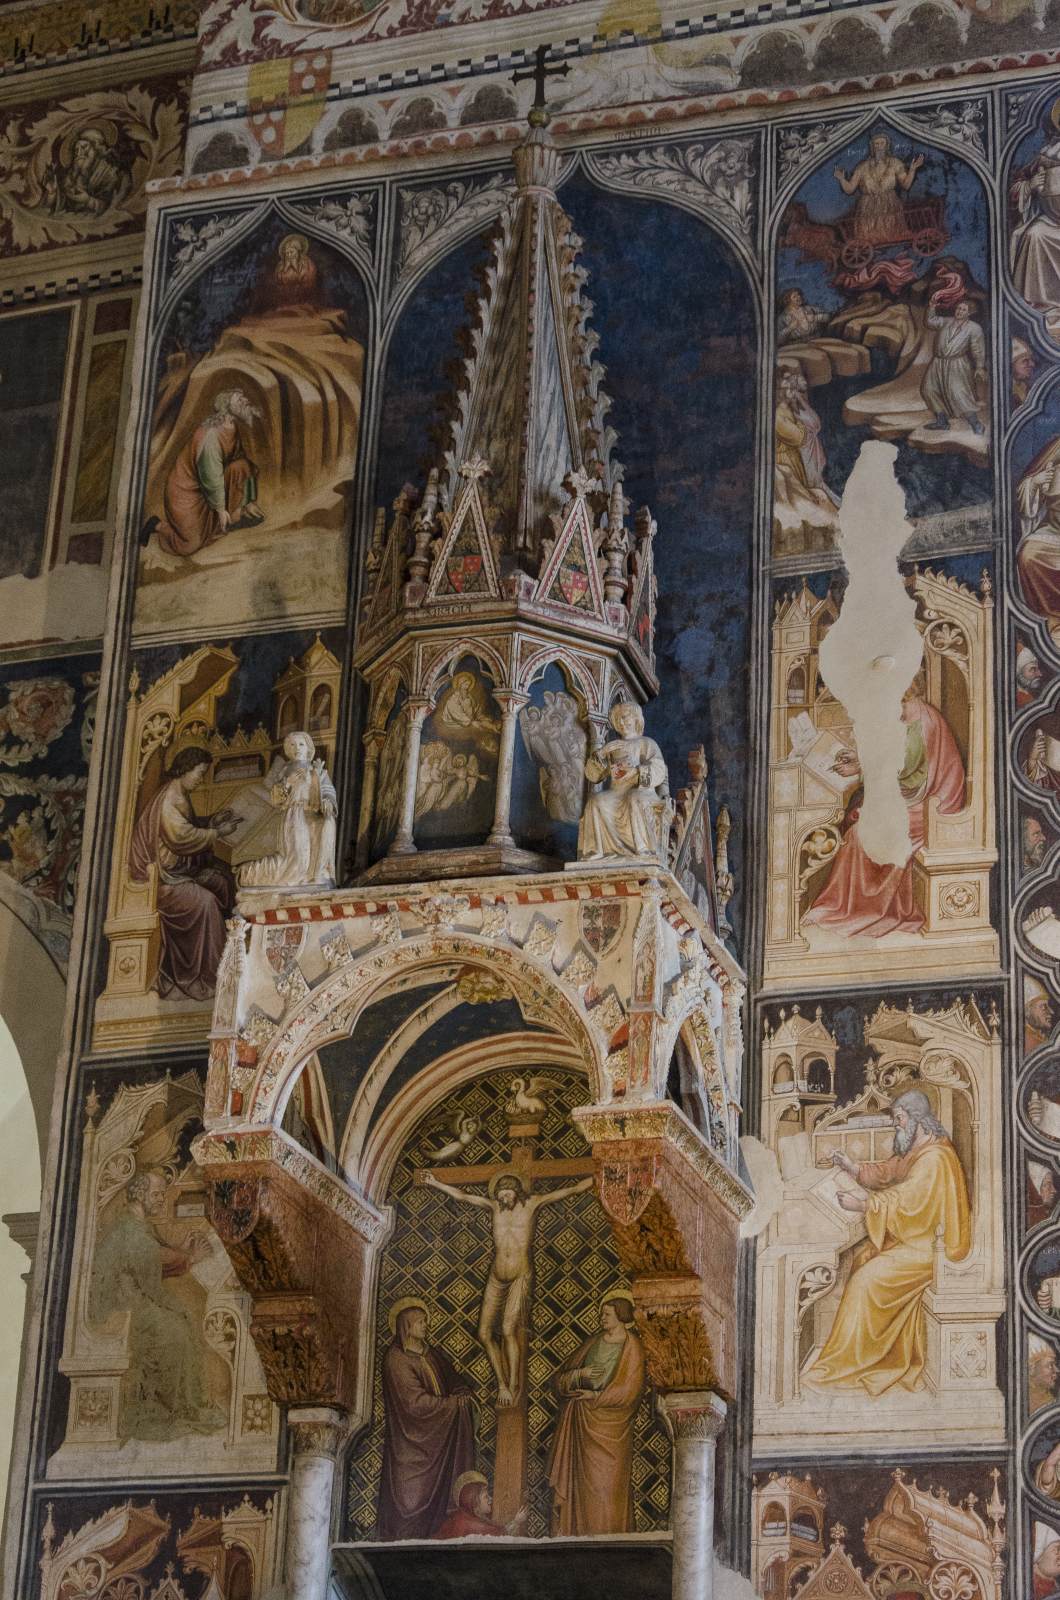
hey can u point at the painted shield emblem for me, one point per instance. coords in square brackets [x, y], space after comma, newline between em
[601, 922]
[463, 572]
[283, 944]
[573, 585]
[626, 1188]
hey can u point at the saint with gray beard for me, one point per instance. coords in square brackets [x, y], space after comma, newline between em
[878, 1340]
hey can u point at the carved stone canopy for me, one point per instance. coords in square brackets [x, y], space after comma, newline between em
[523, 513]
[620, 969]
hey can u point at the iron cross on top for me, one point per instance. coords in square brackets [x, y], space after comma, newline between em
[540, 72]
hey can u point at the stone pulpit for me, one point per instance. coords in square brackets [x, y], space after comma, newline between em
[509, 608]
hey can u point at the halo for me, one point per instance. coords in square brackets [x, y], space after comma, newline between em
[618, 1293]
[297, 238]
[411, 1302]
[508, 1178]
[464, 1479]
[1054, 114]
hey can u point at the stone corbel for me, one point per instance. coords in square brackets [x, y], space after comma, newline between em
[301, 1244]
[675, 1211]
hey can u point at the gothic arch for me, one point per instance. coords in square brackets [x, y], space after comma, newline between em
[330, 1010]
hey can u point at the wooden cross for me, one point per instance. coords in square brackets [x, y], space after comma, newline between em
[513, 1431]
[540, 72]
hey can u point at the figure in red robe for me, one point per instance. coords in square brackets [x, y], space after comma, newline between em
[861, 895]
[428, 1440]
[472, 1517]
[1047, 1572]
[193, 889]
[212, 486]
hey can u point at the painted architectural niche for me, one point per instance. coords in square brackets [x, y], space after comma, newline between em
[814, 796]
[163, 1374]
[935, 1367]
[190, 792]
[476, 1055]
[133, 1550]
[919, 1541]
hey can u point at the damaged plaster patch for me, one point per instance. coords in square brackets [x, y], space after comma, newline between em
[872, 653]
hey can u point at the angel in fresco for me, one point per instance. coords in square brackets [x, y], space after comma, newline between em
[1034, 248]
[862, 896]
[556, 738]
[879, 216]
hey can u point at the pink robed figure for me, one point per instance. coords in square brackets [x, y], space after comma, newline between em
[863, 896]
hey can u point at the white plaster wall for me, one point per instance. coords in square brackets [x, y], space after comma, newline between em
[19, 1191]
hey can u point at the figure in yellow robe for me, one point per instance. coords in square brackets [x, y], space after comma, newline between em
[917, 1195]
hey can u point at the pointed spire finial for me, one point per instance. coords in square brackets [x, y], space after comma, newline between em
[540, 72]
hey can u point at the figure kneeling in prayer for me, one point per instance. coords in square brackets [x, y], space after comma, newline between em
[623, 820]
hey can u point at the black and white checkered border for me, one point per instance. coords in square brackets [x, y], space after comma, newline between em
[728, 20]
[95, 50]
[76, 283]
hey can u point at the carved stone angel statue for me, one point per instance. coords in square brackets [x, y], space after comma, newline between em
[292, 843]
[625, 820]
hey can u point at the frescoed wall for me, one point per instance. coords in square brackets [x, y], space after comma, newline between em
[229, 444]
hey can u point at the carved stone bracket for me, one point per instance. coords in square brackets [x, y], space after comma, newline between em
[675, 1210]
[301, 1243]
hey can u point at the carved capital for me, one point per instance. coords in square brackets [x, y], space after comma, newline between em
[700, 1415]
[317, 1431]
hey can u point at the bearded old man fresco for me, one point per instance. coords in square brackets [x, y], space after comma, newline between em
[878, 1339]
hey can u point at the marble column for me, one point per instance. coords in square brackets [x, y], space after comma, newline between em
[373, 741]
[317, 1433]
[694, 1420]
[511, 703]
[416, 712]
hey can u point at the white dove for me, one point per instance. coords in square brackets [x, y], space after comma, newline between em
[526, 1096]
[465, 1127]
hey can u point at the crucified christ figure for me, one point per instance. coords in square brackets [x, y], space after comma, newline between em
[514, 1209]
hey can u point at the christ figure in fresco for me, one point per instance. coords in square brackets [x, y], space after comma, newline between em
[591, 1461]
[164, 1393]
[504, 1301]
[861, 895]
[879, 217]
[194, 892]
[915, 1197]
[429, 1430]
